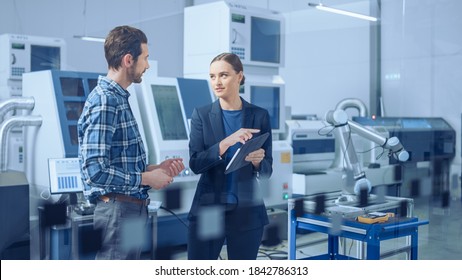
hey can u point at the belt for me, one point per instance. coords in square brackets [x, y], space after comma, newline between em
[124, 198]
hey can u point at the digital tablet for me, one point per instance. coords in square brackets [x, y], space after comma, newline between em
[251, 145]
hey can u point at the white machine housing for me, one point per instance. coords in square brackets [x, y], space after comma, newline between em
[278, 189]
[157, 118]
[249, 32]
[314, 146]
[20, 54]
[57, 136]
[267, 91]
[44, 142]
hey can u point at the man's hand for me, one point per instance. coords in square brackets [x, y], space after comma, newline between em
[172, 167]
[156, 178]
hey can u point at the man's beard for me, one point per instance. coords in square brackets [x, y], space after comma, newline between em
[137, 80]
[133, 75]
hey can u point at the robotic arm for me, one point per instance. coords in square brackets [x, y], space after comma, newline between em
[339, 119]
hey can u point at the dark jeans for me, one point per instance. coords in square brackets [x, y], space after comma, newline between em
[123, 228]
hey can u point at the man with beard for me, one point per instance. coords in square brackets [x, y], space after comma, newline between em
[111, 151]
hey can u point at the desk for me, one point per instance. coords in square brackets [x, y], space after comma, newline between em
[371, 234]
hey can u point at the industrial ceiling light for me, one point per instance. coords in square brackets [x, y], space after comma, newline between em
[90, 38]
[85, 37]
[341, 12]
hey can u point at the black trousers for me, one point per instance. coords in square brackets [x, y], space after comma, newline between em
[241, 245]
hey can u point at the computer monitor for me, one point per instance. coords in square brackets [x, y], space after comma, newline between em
[45, 58]
[64, 175]
[268, 98]
[169, 112]
[164, 122]
[195, 93]
[254, 34]
[264, 92]
[265, 40]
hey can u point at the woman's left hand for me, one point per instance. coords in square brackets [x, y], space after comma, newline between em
[256, 157]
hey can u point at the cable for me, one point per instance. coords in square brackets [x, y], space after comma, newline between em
[321, 133]
[303, 253]
[333, 127]
[345, 152]
[171, 212]
[280, 256]
[271, 254]
[47, 192]
[235, 36]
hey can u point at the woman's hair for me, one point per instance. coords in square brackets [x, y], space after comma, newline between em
[123, 40]
[233, 60]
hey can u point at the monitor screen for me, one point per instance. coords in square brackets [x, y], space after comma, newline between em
[45, 58]
[92, 83]
[415, 123]
[73, 109]
[195, 93]
[64, 175]
[268, 98]
[313, 146]
[72, 86]
[73, 135]
[169, 112]
[265, 42]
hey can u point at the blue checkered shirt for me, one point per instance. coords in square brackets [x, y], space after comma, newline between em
[111, 151]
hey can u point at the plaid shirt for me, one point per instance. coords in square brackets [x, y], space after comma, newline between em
[111, 151]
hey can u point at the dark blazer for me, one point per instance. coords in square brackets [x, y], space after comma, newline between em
[206, 133]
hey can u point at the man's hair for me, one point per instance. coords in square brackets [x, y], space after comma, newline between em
[123, 40]
[233, 60]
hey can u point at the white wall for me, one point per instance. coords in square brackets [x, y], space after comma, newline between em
[421, 60]
[162, 21]
[327, 59]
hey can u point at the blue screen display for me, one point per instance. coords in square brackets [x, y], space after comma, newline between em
[194, 93]
[268, 98]
[169, 112]
[265, 42]
[45, 58]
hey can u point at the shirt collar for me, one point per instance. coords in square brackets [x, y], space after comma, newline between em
[109, 83]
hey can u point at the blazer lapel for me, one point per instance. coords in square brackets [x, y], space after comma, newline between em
[216, 121]
[248, 119]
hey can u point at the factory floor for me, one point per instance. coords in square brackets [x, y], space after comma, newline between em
[441, 239]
